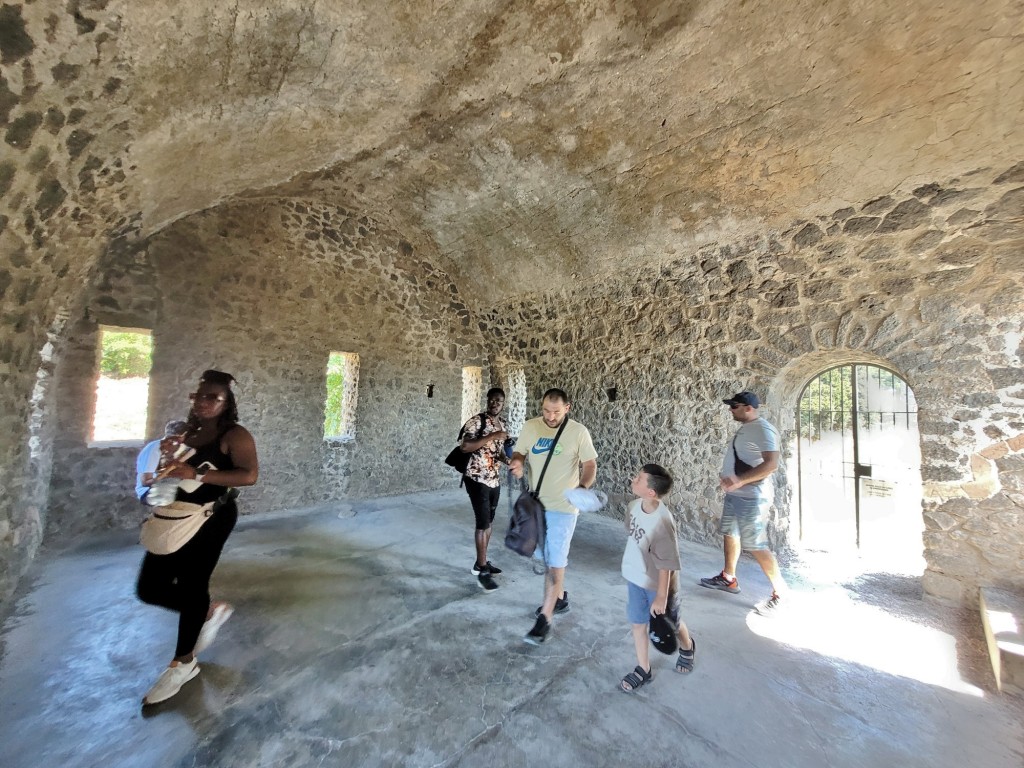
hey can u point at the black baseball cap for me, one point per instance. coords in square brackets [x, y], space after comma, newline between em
[744, 398]
[662, 631]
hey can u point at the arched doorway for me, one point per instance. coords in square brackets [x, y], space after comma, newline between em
[860, 466]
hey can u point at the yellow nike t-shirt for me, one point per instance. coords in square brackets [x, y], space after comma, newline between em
[574, 447]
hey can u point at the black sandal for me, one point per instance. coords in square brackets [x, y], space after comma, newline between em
[635, 679]
[684, 662]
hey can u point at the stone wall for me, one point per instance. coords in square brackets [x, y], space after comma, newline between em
[513, 380]
[497, 143]
[927, 283]
[472, 392]
[266, 291]
[61, 198]
[91, 487]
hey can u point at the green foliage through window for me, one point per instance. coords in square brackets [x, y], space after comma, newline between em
[827, 403]
[125, 354]
[335, 395]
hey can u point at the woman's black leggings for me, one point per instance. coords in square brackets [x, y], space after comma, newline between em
[180, 581]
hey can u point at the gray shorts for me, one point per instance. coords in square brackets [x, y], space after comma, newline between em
[745, 519]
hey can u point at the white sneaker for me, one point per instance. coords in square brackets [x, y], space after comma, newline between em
[212, 625]
[170, 681]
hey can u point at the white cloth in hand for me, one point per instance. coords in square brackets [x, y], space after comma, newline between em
[586, 500]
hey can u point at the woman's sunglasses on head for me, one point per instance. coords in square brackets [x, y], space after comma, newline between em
[206, 397]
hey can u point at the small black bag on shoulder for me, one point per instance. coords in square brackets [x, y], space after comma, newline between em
[527, 527]
[458, 459]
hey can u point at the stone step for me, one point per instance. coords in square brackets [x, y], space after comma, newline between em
[1002, 614]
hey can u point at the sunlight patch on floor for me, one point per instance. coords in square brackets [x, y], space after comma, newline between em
[840, 564]
[831, 623]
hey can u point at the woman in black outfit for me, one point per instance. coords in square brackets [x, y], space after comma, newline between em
[225, 458]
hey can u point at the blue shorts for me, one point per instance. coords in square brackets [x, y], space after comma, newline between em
[560, 527]
[639, 602]
[745, 519]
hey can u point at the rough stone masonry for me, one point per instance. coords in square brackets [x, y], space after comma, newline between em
[676, 199]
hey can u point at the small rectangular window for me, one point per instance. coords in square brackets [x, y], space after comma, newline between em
[472, 392]
[515, 399]
[342, 389]
[122, 387]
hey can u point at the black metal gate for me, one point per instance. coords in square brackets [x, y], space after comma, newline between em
[859, 461]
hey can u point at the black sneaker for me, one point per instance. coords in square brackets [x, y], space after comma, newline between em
[487, 584]
[540, 631]
[561, 605]
[487, 567]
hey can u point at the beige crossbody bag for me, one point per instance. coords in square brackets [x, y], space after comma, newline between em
[169, 528]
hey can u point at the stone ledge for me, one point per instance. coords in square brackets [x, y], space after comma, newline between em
[1002, 615]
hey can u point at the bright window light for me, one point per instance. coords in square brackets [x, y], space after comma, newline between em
[472, 392]
[342, 391]
[122, 386]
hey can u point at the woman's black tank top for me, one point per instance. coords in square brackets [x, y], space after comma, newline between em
[212, 453]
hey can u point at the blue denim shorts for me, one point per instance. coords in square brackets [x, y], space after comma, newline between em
[556, 544]
[639, 602]
[745, 519]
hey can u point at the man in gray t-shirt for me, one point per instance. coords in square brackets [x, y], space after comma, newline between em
[750, 459]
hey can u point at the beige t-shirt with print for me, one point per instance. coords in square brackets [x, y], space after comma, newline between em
[652, 545]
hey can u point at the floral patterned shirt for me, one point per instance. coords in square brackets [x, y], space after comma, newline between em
[484, 464]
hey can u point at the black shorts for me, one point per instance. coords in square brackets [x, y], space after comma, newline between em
[485, 502]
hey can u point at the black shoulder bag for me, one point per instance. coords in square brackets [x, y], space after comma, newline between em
[527, 527]
[458, 458]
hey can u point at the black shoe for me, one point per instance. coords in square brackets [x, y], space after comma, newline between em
[487, 584]
[540, 631]
[487, 567]
[561, 605]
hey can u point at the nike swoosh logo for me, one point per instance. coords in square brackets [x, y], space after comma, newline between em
[535, 452]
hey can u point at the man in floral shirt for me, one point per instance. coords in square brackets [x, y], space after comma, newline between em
[483, 482]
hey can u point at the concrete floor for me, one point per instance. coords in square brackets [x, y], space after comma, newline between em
[362, 640]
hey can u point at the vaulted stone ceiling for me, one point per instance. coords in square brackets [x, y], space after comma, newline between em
[522, 148]
[524, 141]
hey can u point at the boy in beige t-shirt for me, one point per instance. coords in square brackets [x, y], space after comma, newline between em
[650, 565]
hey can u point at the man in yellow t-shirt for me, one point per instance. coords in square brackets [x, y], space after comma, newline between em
[573, 465]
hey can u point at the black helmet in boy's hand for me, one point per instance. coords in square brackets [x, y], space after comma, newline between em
[662, 631]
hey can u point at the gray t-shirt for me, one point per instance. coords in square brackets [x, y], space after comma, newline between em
[750, 440]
